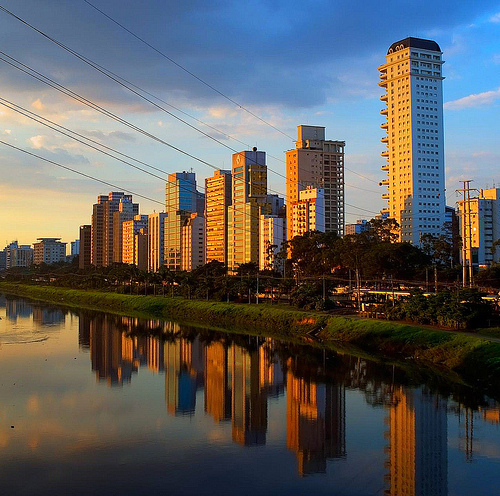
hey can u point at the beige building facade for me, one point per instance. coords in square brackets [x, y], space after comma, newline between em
[218, 197]
[414, 140]
[317, 163]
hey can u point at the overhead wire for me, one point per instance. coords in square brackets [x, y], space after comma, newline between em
[61, 88]
[180, 66]
[88, 176]
[109, 114]
[130, 86]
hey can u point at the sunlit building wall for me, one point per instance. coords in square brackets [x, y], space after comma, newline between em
[249, 201]
[318, 164]
[156, 240]
[272, 235]
[181, 202]
[49, 251]
[414, 154]
[103, 226]
[135, 242]
[193, 242]
[126, 211]
[308, 213]
[18, 255]
[481, 228]
[217, 200]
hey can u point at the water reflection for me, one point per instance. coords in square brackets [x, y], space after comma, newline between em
[417, 453]
[242, 383]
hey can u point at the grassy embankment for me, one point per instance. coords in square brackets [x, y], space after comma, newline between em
[475, 357]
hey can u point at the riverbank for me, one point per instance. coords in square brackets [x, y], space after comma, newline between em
[476, 358]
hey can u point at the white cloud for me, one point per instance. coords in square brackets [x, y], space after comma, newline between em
[37, 142]
[495, 18]
[38, 105]
[485, 98]
[7, 131]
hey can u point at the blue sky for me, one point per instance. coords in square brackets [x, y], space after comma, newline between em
[290, 63]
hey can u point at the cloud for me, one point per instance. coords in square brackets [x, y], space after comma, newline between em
[114, 135]
[495, 18]
[470, 101]
[38, 141]
[55, 152]
[38, 105]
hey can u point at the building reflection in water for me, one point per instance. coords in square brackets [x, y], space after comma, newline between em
[184, 367]
[315, 421]
[238, 380]
[417, 453]
[111, 351]
[218, 393]
[42, 316]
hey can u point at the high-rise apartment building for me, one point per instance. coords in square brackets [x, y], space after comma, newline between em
[49, 251]
[103, 226]
[17, 255]
[308, 213]
[218, 198]
[249, 201]
[85, 246]
[480, 228]
[182, 200]
[319, 164]
[412, 78]
[156, 243]
[193, 242]
[135, 242]
[126, 211]
[272, 235]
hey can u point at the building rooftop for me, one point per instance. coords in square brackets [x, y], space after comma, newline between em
[414, 43]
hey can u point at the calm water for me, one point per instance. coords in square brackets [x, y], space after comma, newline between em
[86, 407]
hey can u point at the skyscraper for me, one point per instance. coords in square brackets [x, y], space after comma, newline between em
[412, 78]
[156, 241]
[85, 246]
[316, 163]
[249, 200]
[217, 201]
[103, 226]
[181, 202]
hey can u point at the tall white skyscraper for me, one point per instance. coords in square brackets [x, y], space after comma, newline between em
[412, 78]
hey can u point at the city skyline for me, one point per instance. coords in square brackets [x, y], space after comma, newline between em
[334, 84]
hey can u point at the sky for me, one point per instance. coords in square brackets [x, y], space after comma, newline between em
[241, 74]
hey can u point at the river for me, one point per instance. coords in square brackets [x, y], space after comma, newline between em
[93, 403]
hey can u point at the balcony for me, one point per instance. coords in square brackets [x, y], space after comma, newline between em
[385, 196]
[385, 97]
[385, 153]
[384, 125]
[384, 182]
[384, 111]
[385, 139]
[385, 210]
[385, 167]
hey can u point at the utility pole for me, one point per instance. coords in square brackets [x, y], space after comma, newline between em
[465, 213]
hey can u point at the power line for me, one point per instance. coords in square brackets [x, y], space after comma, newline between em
[188, 71]
[130, 86]
[50, 82]
[88, 176]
